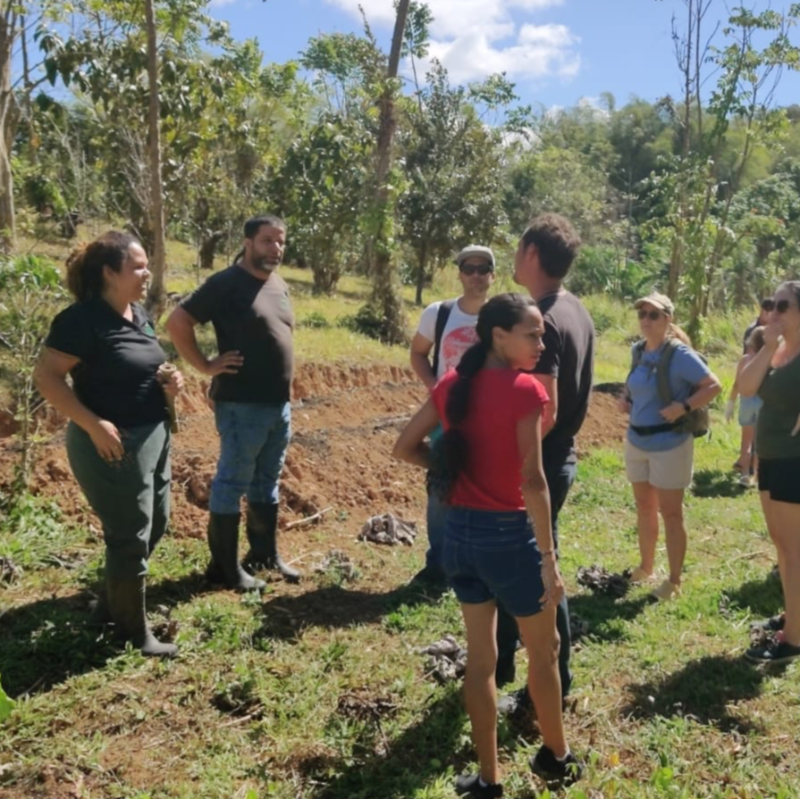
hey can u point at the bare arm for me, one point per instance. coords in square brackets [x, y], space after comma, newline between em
[551, 409]
[50, 377]
[536, 494]
[753, 373]
[411, 445]
[420, 362]
[180, 327]
[708, 388]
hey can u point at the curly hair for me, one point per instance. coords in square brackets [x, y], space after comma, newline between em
[85, 263]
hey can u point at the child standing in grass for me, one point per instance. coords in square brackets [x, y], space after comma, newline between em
[492, 416]
[748, 411]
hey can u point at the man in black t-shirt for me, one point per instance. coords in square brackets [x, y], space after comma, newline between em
[248, 305]
[544, 256]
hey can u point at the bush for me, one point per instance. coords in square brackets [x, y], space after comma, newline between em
[367, 321]
[314, 320]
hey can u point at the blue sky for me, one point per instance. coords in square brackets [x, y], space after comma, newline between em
[556, 51]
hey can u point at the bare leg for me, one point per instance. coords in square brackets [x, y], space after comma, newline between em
[745, 453]
[670, 502]
[479, 685]
[544, 683]
[647, 523]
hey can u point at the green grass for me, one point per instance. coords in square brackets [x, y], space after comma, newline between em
[260, 703]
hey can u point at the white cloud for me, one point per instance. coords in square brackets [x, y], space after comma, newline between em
[470, 37]
[220, 3]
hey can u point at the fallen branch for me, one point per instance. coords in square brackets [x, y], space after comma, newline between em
[308, 520]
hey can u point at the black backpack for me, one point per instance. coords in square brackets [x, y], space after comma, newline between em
[442, 315]
[697, 421]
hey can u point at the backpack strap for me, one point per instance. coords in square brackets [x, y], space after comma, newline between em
[442, 315]
[662, 371]
[636, 357]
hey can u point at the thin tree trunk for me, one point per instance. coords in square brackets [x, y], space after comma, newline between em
[9, 115]
[208, 248]
[156, 295]
[423, 257]
[385, 294]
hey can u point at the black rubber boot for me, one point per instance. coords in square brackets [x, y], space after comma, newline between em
[126, 601]
[262, 533]
[223, 541]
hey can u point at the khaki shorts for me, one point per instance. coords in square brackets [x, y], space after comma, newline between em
[667, 469]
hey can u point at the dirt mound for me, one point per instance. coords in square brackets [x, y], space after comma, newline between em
[345, 420]
[604, 426]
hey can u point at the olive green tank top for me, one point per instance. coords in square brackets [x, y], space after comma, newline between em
[780, 392]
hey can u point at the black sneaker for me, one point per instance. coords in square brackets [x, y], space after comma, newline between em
[516, 703]
[773, 624]
[554, 771]
[470, 786]
[774, 652]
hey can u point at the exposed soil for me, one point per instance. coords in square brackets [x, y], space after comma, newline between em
[345, 419]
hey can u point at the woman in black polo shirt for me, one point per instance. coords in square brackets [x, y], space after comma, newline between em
[118, 437]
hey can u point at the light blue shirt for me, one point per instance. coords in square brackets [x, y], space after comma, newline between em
[685, 371]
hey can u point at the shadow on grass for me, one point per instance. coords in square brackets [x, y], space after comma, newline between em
[703, 690]
[337, 607]
[400, 768]
[715, 483]
[604, 614]
[47, 641]
[763, 598]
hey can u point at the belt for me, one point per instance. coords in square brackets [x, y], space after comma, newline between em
[649, 430]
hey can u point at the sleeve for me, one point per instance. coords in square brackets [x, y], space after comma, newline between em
[689, 366]
[203, 302]
[71, 333]
[529, 396]
[550, 359]
[427, 322]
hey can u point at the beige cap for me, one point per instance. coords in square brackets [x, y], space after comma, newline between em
[657, 300]
[475, 250]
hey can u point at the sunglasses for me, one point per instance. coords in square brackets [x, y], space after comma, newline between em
[653, 315]
[471, 269]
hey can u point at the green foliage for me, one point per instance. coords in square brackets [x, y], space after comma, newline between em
[368, 321]
[32, 530]
[30, 295]
[6, 705]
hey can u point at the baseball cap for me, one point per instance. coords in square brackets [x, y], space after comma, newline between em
[473, 250]
[657, 300]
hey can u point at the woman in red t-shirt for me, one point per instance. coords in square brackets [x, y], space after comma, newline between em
[491, 453]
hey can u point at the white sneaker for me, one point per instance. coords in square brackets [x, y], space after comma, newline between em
[747, 481]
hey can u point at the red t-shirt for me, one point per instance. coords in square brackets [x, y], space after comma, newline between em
[499, 398]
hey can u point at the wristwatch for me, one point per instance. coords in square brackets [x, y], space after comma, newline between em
[687, 408]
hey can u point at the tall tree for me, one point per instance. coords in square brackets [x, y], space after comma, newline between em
[156, 293]
[385, 295]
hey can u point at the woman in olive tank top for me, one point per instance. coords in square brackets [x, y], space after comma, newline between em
[774, 374]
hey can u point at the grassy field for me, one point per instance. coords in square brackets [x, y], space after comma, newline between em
[323, 693]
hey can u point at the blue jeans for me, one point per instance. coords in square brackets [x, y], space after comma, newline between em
[254, 438]
[437, 526]
[560, 478]
[492, 555]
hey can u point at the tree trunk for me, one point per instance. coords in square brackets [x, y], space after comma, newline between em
[423, 257]
[156, 295]
[208, 248]
[9, 116]
[385, 295]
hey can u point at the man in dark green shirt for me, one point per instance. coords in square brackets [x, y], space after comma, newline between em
[248, 305]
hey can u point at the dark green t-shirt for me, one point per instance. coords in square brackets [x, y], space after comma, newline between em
[254, 317]
[119, 359]
[780, 392]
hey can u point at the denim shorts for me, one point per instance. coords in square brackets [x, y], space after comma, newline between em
[748, 410]
[492, 555]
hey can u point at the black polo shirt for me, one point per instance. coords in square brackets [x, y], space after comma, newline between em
[254, 317]
[116, 376]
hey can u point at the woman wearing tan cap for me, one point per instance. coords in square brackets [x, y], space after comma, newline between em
[667, 382]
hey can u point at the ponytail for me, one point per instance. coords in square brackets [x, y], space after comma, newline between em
[676, 332]
[450, 455]
[85, 264]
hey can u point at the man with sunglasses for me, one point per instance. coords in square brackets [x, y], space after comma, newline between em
[446, 331]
